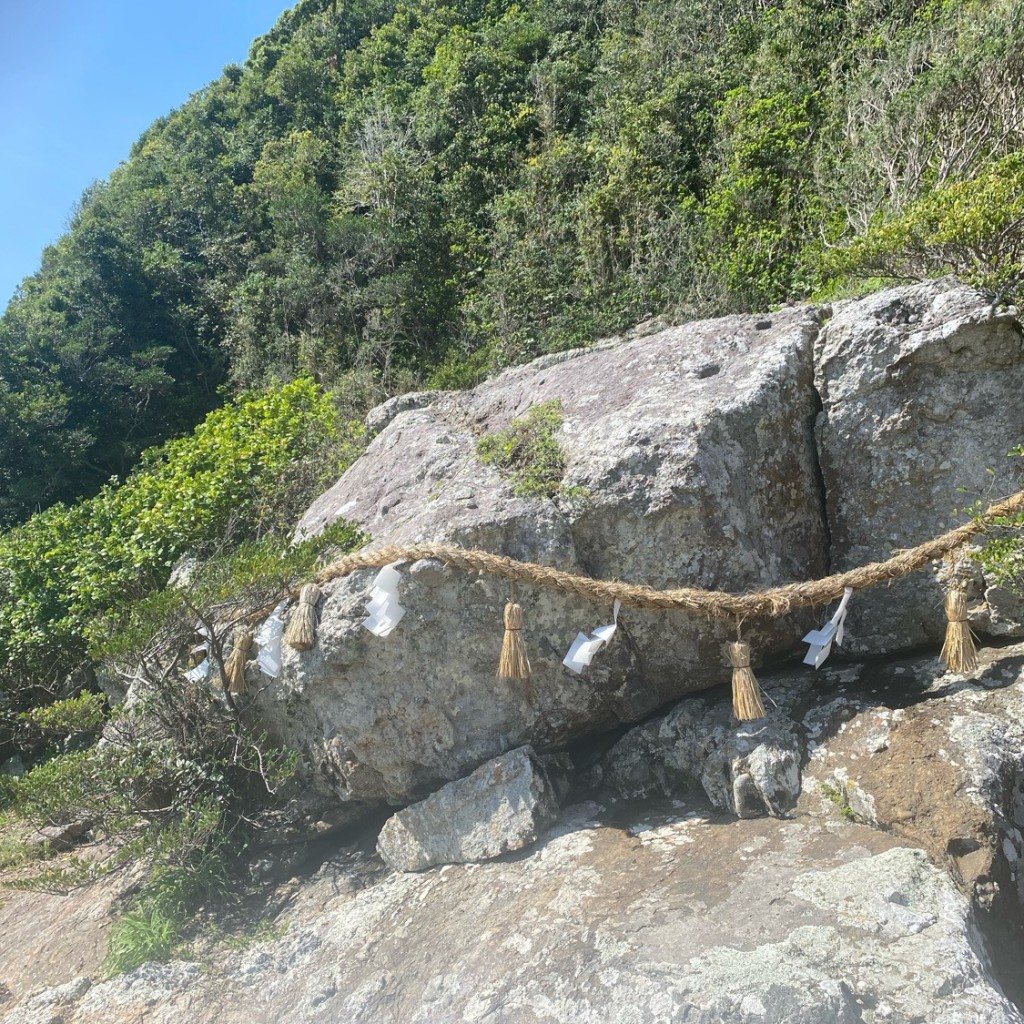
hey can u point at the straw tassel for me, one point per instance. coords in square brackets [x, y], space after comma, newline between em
[234, 667]
[301, 632]
[514, 662]
[958, 652]
[746, 694]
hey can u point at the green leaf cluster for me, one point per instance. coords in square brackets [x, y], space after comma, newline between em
[527, 451]
[1002, 556]
[973, 227]
[245, 472]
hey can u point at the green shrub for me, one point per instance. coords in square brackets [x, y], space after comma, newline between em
[973, 228]
[252, 575]
[246, 471]
[527, 451]
[185, 778]
[66, 722]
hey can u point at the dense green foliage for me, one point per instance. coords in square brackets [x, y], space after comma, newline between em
[245, 472]
[408, 189]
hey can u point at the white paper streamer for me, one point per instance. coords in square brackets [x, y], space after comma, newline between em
[821, 640]
[384, 610]
[268, 638]
[200, 672]
[584, 647]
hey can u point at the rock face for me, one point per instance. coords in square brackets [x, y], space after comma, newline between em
[694, 456]
[920, 388]
[504, 805]
[889, 886]
[750, 769]
[890, 892]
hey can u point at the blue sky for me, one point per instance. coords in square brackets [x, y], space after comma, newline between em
[79, 82]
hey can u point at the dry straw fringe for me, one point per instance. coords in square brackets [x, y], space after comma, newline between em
[959, 653]
[234, 667]
[514, 662]
[301, 632]
[746, 694]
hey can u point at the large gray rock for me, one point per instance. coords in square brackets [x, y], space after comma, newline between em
[694, 451]
[505, 805]
[921, 393]
[691, 461]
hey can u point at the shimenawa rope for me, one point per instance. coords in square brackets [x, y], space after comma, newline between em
[718, 604]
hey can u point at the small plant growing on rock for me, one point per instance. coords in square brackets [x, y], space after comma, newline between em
[527, 451]
[1002, 557]
[840, 798]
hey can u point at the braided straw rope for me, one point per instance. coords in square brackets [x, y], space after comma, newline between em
[718, 604]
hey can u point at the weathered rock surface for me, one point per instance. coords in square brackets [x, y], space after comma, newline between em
[664, 918]
[506, 804]
[920, 388]
[49, 940]
[934, 758]
[751, 768]
[694, 450]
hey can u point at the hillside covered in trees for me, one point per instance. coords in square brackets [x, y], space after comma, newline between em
[392, 192]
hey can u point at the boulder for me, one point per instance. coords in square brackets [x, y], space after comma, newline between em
[748, 768]
[689, 460]
[505, 805]
[920, 389]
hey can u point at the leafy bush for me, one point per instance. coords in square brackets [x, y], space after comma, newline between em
[246, 471]
[185, 780]
[67, 721]
[973, 227]
[218, 592]
[527, 451]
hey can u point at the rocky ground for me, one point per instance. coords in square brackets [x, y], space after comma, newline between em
[884, 886]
